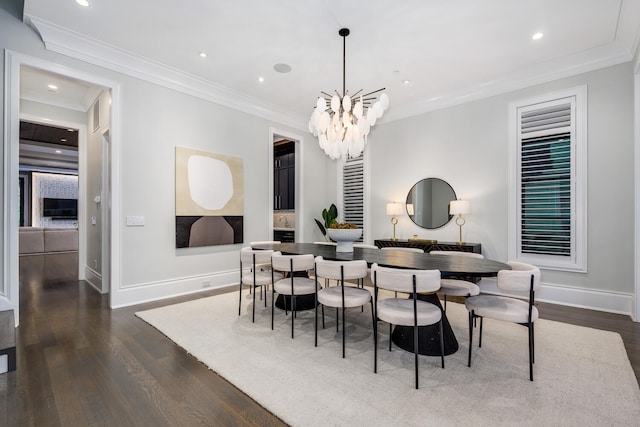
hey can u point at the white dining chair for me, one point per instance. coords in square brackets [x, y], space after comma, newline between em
[523, 278]
[402, 249]
[364, 245]
[256, 276]
[292, 286]
[457, 287]
[342, 296]
[406, 312]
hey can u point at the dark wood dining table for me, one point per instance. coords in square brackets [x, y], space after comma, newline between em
[449, 266]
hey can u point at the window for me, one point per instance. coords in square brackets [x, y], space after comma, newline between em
[353, 191]
[547, 224]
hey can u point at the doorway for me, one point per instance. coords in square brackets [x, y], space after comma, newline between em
[285, 186]
[14, 64]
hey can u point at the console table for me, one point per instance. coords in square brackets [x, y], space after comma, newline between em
[429, 246]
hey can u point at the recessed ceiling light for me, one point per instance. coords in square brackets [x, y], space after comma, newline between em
[406, 82]
[203, 54]
[84, 3]
[261, 79]
[52, 87]
[282, 68]
[537, 36]
[58, 152]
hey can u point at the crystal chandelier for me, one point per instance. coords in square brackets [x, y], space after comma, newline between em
[342, 122]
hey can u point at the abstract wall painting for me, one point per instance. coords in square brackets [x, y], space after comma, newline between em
[209, 199]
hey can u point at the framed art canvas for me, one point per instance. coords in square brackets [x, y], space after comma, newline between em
[209, 199]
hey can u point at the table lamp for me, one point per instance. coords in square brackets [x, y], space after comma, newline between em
[460, 207]
[393, 210]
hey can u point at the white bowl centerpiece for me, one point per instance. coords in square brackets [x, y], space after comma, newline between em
[344, 234]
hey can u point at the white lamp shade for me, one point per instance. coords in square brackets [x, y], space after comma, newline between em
[462, 207]
[394, 209]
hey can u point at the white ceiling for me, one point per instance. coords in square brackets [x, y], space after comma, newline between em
[450, 51]
[68, 93]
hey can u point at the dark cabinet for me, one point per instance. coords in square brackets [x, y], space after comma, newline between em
[429, 246]
[284, 181]
[284, 236]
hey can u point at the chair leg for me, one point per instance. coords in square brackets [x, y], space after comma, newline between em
[337, 319]
[323, 317]
[533, 347]
[272, 298]
[471, 318]
[445, 303]
[415, 351]
[530, 351]
[343, 331]
[390, 330]
[240, 301]
[375, 338]
[441, 344]
[253, 314]
[316, 320]
[265, 296]
[480, 339]
[375, 349]
[293, 312]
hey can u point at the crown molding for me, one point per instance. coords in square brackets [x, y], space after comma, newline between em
[591, 60]
[75, 45]
[61, 40]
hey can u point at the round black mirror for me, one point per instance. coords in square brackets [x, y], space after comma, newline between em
[428, 203]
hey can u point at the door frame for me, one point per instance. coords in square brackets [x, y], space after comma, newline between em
[9, 292]
[635, 309]
[299, 180]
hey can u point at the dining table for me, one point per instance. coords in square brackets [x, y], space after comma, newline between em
[449, 267]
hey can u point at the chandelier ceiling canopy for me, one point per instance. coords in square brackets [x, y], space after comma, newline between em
[342, 121]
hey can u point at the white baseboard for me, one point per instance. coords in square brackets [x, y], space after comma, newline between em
[93, 278]
[611, 302]
[154, 291]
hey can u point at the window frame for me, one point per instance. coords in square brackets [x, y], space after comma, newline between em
[577, 261]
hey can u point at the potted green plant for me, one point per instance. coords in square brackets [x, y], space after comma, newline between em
[329, 217]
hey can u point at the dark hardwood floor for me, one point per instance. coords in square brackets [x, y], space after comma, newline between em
[80, 363]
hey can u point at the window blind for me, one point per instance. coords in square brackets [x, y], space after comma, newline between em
[353, 191]
[545, 181]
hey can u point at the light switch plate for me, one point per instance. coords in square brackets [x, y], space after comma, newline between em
[135, 221]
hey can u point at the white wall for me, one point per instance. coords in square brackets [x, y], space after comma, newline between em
[92, 220]
[153, 121]
[37, 110]
[466, 145]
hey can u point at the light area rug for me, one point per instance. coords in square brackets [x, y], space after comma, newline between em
[582, 376]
